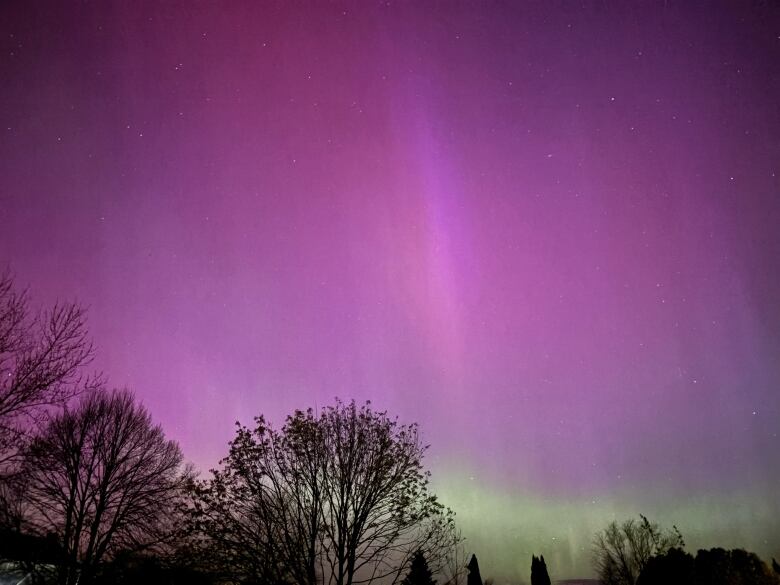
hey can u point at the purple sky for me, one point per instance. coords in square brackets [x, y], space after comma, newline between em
[547, 234]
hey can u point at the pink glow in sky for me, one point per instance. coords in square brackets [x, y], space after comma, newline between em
[549, 234]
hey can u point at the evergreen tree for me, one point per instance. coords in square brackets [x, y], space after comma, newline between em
[419, 572]
[474, 577]
[539, 575]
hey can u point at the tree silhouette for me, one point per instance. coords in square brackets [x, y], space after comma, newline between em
[260, 514]
[40, 359]
[453, 567]
[339, 498]
[539, 575]
[474, 578]
[621, 551]
[675, 567]
[710, 567]
[732, 567]
[419, 572]
[376, 497]
[775, 566]
[104, 479]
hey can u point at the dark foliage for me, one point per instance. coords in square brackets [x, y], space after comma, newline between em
[340, 498]
[33, 556]
[710, 567]
[29, 548]
[145, 569]
[732, 567]
[675, 567]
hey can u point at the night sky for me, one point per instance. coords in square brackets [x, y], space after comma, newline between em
[548, 232]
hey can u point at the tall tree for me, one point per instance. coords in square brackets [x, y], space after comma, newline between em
[474, 578]
[539, 575]
[104, 479]
[339, 497]
[42, 355]
[378, 510]
[260, 513]
[621, 551]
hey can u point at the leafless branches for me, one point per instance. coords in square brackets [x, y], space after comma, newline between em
[41, 357]
[103, 478]
[378, 511]
[621, 551]
[453, 567]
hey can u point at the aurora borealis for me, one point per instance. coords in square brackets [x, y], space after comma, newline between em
[547, 232]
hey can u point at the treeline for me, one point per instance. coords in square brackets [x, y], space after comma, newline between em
[91, 490]
[640, 552]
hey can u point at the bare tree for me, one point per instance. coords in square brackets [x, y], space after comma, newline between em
[378, 510]
[453, 569]
[104, 479]
[621, 551]
[41, 357]
[339, 497]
